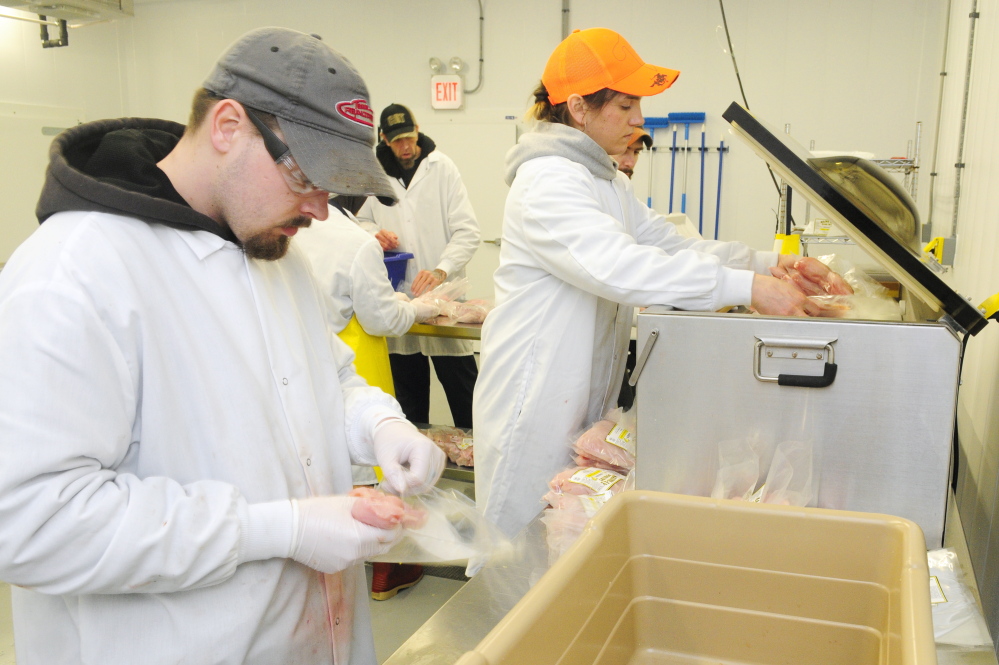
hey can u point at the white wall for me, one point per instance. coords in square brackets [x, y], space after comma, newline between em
[46, 89]
[852, 74]
[976, 274]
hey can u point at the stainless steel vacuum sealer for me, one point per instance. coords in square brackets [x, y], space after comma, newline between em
[875, 400]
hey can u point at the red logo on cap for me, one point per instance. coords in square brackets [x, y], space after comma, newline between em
[357, 110]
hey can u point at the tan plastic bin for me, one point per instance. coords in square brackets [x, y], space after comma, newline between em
[662, 578]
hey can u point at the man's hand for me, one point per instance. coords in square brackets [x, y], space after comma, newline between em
[387, 240]
[411, 462]
[426, 280]
[778, 297]
[329, 539]
[810, 276]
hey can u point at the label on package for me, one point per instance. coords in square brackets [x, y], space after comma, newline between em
[464, 444]
[622, 438]
[757, 496]
[598, 480]
[937, 595]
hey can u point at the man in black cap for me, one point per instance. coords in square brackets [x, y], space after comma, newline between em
[177, 423]
[434, 221]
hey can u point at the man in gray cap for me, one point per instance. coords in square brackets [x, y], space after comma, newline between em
[177, 424]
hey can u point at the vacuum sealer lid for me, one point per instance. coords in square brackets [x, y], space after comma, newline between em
[867, 204]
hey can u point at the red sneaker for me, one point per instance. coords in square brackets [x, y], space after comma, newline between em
[391, 578]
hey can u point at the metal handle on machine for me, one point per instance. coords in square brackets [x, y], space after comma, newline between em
[797, 380]
[643, 357]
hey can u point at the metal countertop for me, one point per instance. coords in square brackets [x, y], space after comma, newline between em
[452, 330]
[461, 623]
[478, 606]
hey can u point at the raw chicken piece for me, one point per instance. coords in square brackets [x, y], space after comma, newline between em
[384, 511]
[595, 443]
[455, 443]
[584, 461]
[815, 271]
[813, 278]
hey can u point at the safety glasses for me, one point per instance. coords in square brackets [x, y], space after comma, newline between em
[281, 153]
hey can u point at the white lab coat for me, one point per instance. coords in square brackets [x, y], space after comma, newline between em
[350, 267]
[435, 222]
[553, 350]
[153, 384]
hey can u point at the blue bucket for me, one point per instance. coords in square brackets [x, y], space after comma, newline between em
[395, 263]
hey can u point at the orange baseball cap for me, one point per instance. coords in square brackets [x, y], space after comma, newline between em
[643, 134]
[590, 60]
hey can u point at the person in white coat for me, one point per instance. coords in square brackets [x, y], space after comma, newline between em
[434, 221]
[177, 422]
[350, 267]
[579, 252]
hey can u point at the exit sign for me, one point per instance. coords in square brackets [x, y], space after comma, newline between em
[446, 91]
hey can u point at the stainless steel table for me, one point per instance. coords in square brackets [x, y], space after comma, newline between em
[478, 606]
[461, 623]
[452, 330]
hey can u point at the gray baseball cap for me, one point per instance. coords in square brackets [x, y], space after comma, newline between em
[319, 99]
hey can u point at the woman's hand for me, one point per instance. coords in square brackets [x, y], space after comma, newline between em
[810, 276]
[778, 297]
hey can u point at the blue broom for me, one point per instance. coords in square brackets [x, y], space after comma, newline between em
[686, 119]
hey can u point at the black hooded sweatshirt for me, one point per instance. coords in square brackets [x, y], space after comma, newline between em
[110, 166]
[392, 166]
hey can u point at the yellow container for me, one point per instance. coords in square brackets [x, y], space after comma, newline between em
[667, 579]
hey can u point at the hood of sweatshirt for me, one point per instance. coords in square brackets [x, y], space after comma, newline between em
[554, 139]
[110, 166]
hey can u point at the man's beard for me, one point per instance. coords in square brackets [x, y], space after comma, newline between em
[628, 172]
[267, 246]
[408, 163]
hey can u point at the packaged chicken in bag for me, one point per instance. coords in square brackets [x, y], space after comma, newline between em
[446, 297]
[866, 298]
[455, 442]
[610, 443]
[575, 495]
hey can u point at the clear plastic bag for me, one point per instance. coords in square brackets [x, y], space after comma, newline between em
[738, 470]
[956, 617]
[453, 532]
[447, 299]
[788, 481]
[870, 300]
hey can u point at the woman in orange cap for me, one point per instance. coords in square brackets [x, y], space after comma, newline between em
[579, 252]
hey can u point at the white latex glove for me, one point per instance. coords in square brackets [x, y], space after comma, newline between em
[424, 309]
[410, 462]
[399, 295]
[329, 539]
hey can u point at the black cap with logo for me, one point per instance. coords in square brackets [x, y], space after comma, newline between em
[397, 122]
